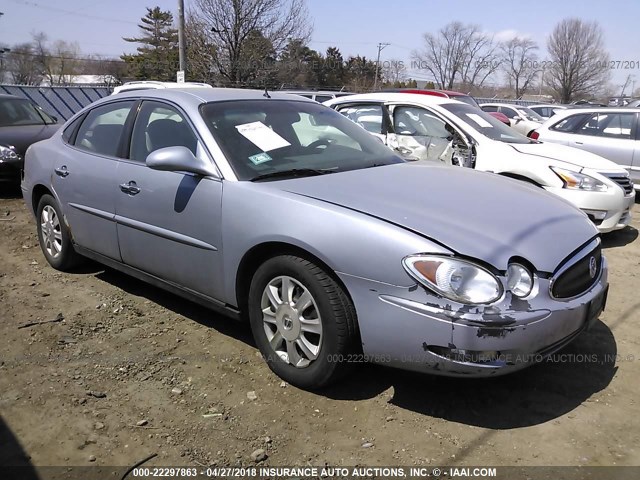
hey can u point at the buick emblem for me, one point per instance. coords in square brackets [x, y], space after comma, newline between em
[593, 267]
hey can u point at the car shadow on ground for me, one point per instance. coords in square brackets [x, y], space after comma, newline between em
[620, 238]
[176, 304]
[14, 461]
[8, 191]
[529, 397]
[532, 396]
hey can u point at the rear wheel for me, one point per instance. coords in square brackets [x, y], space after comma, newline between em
[54, 236]
[302, 321]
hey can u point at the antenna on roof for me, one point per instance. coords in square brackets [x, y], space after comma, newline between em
[266, 93]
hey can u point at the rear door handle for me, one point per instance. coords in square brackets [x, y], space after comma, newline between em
[62, 171]
[130, 188]
[579, 143]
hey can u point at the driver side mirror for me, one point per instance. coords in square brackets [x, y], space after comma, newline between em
[179, 159]
[516, 120]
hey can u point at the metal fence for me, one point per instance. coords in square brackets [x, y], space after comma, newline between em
[61, 102]
[524, 103]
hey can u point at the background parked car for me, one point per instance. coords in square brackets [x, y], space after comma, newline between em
[461, 97]
[523, 119]
[319, 96]
[548, 111]
[422, 127]
[633, 104]
[609, 132]
[22, 123]
[283, 211]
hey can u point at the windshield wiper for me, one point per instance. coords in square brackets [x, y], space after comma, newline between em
[294, 172]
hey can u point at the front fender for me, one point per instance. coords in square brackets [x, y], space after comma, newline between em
[345, 240]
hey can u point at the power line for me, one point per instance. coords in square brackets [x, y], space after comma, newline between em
[71, 12]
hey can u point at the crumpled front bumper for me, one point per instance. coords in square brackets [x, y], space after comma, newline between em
[412, 329]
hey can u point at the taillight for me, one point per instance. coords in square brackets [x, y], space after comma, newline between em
[534, 135]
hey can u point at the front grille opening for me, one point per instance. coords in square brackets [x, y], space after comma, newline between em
[578, 278]
[625, 182]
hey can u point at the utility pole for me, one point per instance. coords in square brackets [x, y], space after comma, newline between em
[181, 43]
[381, 46]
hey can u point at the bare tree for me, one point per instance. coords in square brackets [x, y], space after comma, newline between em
[236, 24]
[481, 58]
[59, 63]
[22, 68]
[394, 71]
[520, 63]
[579, 61]
[458, 52]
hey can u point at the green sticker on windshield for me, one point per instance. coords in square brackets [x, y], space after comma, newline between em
[260, 158]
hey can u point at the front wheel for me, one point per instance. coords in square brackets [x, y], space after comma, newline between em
[302, 321]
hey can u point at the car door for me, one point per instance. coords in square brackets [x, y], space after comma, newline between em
[169, 223]
[608, 134]
[84, 176]
[514, 118]
[420, 134]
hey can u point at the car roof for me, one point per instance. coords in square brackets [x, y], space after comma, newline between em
[512, 105]
[196, 96]
[393, 97]
[140, 84]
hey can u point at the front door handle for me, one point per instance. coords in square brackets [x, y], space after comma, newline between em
[579, 143]
[130, 188]
[62, 171]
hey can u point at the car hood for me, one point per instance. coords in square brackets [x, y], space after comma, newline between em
[563, 153]
[476, 214]
[22, 136]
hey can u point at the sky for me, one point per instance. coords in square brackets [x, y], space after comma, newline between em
[354, 26]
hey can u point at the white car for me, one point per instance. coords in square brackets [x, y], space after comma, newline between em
[152, 84]
[523, 119]
[422, 127]
[609, 132]
[546, 111]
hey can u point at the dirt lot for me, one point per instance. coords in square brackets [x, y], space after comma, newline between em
[73, 391]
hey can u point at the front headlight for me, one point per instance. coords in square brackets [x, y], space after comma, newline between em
[7, 153]
[457, 280]
[519, 280]
[579, 181]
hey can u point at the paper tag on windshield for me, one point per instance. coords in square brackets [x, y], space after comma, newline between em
[262, 136]
[479, 120]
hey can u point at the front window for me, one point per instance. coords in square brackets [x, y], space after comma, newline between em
[159, 126]
[18, 111]
[271, 137]
[485, 124]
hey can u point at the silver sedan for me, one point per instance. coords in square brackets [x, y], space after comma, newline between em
[283, 212]
[612, 133]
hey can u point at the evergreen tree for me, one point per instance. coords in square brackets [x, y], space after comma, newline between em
[157, 57]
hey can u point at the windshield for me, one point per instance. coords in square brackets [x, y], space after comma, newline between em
[469, 100]
[18, 111]
[485, 124]
[266, 137]
[530, 114]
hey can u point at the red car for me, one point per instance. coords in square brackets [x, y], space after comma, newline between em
[461, 97]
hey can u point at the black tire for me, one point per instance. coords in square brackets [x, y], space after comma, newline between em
[337, 316]
[67, 258]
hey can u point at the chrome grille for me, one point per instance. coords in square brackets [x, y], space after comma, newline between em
[623, 180]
